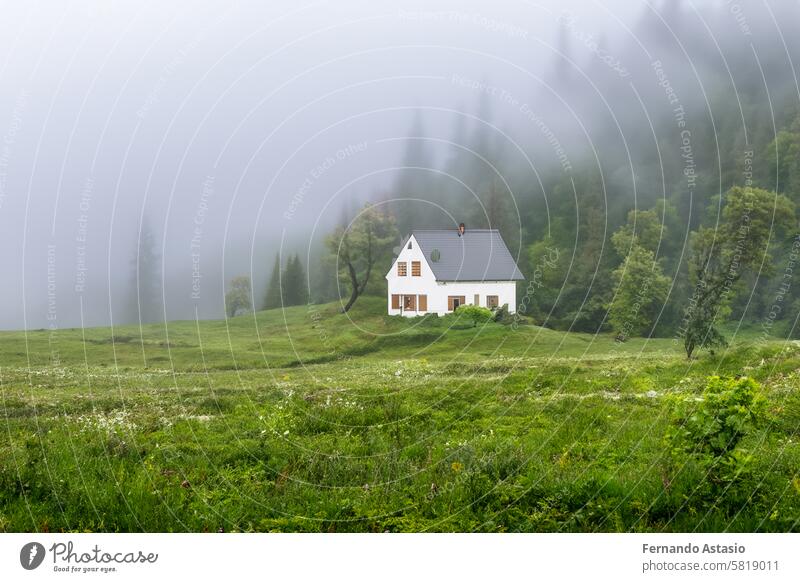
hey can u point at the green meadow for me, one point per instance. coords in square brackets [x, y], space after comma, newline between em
[310, 420]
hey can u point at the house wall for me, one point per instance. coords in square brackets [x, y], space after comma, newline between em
[425, 284]
[506, 292]
[438, 292]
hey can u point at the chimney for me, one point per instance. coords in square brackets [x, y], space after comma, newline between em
[461, 229]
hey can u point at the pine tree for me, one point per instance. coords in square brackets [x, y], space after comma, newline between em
[323, 279]
[452, 192]
[272, 298]
[562, 69]
[413, 181]
[147, 276]
[479, 173]
[302, 288]
[295, 287]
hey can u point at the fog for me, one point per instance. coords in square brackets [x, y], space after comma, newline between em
[225, 132]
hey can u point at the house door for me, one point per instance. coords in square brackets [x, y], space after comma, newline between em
[453, 302]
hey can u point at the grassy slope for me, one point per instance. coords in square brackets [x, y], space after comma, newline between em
[307, 419]
[298, 335]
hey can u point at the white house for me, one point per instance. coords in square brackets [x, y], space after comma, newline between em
[438, 270]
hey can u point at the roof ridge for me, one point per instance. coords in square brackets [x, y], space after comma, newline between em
[454, 230]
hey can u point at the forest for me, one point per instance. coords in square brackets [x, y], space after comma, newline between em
[668, 228]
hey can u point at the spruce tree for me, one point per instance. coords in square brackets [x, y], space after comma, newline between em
[302, 289]
[295, 289]
[272, 298]
[147, 275]
[413, 182]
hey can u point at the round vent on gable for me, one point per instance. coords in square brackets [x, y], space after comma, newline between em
[435, 255]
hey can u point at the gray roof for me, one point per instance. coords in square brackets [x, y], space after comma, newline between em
[479, 255]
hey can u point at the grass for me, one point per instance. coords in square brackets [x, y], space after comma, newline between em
[309, 420]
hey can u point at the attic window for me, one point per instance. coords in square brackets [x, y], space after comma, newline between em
[435, 255]
[409, 244]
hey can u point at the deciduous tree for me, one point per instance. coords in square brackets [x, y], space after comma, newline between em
[238, 299]
[752, 219]
[640, 292]
[358, 247]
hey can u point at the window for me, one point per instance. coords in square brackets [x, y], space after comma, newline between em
[422, 300]
[409, 302]
[416, 269]
[454, 301]
[402, 269]
[477, 300]
[491, 301]
[395, 302]
[409, 244]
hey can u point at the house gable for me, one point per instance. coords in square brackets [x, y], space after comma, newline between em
[408, 256]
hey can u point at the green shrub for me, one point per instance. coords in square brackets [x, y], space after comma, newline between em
[710, 429]
[474, 312]
[501, 314]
